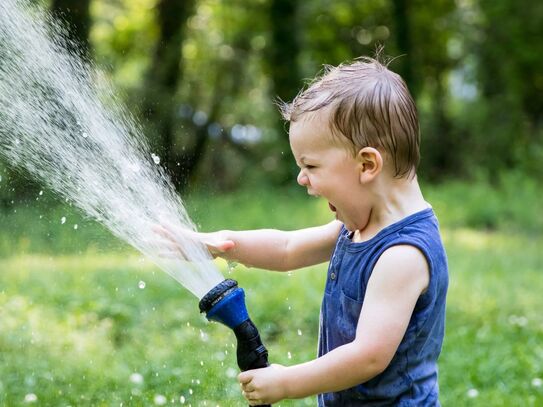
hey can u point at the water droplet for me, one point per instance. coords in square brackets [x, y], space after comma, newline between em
[41, 193]
[299, 332]
[231, 265]
[31, 398]
[160, 400]
[190, 391]
[63, 220]
[75, 226]
[289, 355]
[537, 382]
[84, 134]
[141, 284]
[136, 378]
[155, 158]
[472, 393]
[231, 372]
[182, 399]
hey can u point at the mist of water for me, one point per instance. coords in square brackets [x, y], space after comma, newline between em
[61, 123]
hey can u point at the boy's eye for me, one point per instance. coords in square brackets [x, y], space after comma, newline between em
[309, 167]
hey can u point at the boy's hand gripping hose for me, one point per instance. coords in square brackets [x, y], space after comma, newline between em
[225, 303]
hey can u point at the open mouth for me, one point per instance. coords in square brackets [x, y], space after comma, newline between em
[332, 207]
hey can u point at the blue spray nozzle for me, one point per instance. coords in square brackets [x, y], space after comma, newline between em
[230, 310]
[225, 303]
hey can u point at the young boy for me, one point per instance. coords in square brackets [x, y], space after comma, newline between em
[355, 136]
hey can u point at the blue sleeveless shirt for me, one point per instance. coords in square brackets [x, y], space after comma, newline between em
[411, 377]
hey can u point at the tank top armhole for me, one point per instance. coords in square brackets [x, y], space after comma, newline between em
[426, 297]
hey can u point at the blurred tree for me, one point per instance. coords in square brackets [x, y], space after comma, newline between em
[508, 47]
[404, 43]
[282, 59]
[433, 28]
[164, 74]
[343, 30]
[284, 48]
[76, 14]
[223, 89]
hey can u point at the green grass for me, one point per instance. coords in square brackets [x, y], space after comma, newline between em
[74, 324]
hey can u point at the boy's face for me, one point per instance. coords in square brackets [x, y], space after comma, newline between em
[328, 169]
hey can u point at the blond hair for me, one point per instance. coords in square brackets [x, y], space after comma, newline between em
[369, 105]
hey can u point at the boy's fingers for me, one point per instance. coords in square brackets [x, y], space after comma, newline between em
[162, 231]
[245, 377]
[170, 233]
[223, 246]
[173, 239]
[247, 387]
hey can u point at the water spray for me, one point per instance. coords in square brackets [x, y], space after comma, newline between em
[225, 303]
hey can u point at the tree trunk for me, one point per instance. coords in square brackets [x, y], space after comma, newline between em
[282, 65]
[404, 43]
[284, 49]
[165, 73]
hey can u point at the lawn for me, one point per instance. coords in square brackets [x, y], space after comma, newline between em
[84, 320]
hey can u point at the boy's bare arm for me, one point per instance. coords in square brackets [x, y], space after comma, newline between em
[397, 281]
[282, 250]
[266, 248]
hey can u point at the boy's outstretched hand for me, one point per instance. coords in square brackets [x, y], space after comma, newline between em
[175, 239]
[263, 386]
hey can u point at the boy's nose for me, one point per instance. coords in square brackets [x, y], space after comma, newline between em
[302, 179]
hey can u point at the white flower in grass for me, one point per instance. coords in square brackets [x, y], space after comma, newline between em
[160, 400]
[136, 378]
[472, 393]
[31, 398]
[520, 321]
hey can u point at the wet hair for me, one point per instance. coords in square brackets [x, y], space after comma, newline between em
[369, 105]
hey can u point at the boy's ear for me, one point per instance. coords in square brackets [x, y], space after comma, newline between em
[370, 163]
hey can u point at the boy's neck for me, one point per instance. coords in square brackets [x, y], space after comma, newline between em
[395, 199]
